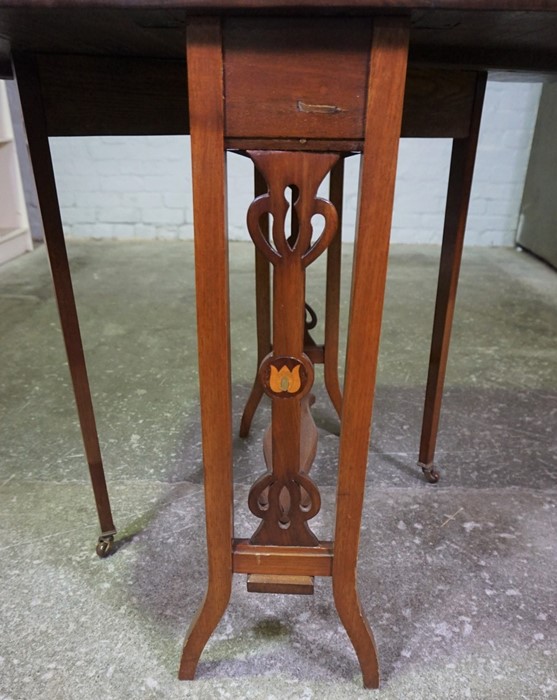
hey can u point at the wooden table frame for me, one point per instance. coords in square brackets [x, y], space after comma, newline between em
[383, 119]
[275, 561]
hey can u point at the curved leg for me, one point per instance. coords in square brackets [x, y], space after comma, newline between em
[458, 197]
[263, 315]
[332, 301]
[39, 150]
[204, 57]
[387, 78]
[212, 609]
[347, 602]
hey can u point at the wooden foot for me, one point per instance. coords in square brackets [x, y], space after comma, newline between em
[349, 610]
[209, 615]
[458, 197]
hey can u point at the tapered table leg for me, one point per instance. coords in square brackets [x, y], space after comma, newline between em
[37, 136]
[204, 58]
[383, 121]
[458, 197]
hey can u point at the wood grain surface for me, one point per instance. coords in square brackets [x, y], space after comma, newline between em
[377, 180]
[509, 35]
[213, 326]
[99, 95]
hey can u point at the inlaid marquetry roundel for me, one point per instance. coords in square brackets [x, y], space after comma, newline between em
[286, 377]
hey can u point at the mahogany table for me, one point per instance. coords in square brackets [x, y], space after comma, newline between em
[296, 87]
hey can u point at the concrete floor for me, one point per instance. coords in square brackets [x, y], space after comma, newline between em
[461, 608]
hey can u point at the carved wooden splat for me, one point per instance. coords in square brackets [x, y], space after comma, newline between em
[285, 498]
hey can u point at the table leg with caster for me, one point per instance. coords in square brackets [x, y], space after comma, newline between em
[458, 197]
[37, 135]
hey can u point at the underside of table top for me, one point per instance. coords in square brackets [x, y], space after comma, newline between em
[500, 5]
[503, 35]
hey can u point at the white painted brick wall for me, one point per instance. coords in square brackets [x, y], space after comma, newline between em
[140, 187]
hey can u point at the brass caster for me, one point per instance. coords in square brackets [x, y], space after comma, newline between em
[104, 545]
[430, 473]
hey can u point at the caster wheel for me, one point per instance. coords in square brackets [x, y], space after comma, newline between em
[104, 546]
[431, 474]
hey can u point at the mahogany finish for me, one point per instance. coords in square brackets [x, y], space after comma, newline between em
[319, 90]
[288, 560]
[285, 521]
[458, 197]
[285, 498]
[480, 34]
[131, 78]
[423, 88]
[316, 353]
[213, 325]
[267, 583]
[332, 295]
[39, 150]
[262, 312]
[377, 181]
[103, 95]
[500, 5]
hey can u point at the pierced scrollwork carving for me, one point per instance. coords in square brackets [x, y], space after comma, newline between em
[285, 498]
[284, 505]
[302, 173]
